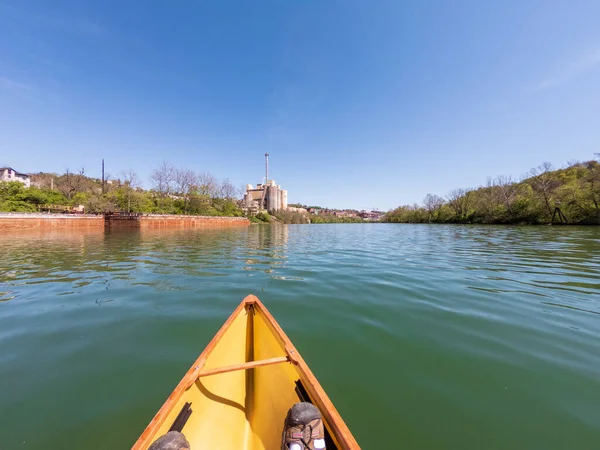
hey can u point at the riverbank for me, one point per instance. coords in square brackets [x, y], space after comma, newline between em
[569, 196]
[48, 222]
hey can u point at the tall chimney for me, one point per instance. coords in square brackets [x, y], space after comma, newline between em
[267, 168]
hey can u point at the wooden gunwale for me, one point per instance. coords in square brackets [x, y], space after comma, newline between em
[188, 379]
[338, 428]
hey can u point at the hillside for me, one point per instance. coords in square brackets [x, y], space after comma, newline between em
[175, 191]
[570, 195]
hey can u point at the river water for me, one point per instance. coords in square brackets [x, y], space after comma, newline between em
[424, 337]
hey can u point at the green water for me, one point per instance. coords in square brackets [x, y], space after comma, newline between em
[424, 337]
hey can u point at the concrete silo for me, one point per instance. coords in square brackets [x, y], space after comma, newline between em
[278, 198]
[284, 199]
[272, 198]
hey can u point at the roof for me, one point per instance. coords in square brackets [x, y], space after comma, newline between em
[15, 171]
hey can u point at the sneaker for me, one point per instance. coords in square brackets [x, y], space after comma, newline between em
[173, 440]
[303, 428]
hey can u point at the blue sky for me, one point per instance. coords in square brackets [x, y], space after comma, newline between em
[363, 104]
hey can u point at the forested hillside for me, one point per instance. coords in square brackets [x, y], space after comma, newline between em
[570, 195]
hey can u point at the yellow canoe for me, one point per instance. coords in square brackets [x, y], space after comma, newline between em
[238, 392]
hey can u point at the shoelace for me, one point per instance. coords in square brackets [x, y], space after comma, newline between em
[302, 436]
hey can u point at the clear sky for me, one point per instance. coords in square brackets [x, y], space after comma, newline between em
[363, 104]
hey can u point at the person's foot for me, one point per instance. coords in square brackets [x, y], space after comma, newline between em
[173, 440]
[303, 428]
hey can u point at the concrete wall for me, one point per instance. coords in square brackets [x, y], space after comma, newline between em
[43, 222]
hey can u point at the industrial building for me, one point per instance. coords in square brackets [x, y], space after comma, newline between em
[267, 196]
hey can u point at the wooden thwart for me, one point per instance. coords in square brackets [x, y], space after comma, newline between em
[244, 366]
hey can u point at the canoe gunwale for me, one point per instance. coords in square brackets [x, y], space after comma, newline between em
[252, 305]
[186, 382]
[343, 437]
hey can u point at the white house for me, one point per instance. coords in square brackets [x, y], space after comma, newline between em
[10, 174]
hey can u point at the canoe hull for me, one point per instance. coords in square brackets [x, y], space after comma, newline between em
[244, 407]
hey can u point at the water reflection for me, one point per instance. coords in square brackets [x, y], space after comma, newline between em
[529, 260]
[265, 249]
[144, 257]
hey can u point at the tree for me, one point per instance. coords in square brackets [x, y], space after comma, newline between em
[163, 179]
[71, 183]
[592, 183]
[507, 192]
[186, 183]
[544, 183]
[241, 191]
[460, 202]
[432, 203]
[207, 184]
[486, 201]
[228, 191]
[131, 182]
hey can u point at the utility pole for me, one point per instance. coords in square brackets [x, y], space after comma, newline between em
[103, 188]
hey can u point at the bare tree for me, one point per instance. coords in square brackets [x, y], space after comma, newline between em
[207, 184]
[544, 184]
[507, 191]
[228, 191]
[241, 191]
[163, 179]
[432, 203]
[186, 182]
[71, 183]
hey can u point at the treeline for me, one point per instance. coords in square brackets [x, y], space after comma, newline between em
[291, 217]
[324, 215]
[281, 216]
[570, 195]
[174, 191]
[330, 218]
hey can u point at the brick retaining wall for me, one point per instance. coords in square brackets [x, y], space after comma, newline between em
[24, 221]
[163, 221]
[49, 222]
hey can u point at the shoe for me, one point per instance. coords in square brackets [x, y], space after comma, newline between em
[303, 428]
[173, 440]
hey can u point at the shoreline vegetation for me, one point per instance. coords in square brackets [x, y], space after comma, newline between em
[292, 217]
[174, 191]
[543, 196]
[570, 195]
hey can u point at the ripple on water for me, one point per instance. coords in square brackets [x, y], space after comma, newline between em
[442, 326]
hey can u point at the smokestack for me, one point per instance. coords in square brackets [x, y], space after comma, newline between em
[267, 168]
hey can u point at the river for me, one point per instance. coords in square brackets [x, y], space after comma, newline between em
[424, 336]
